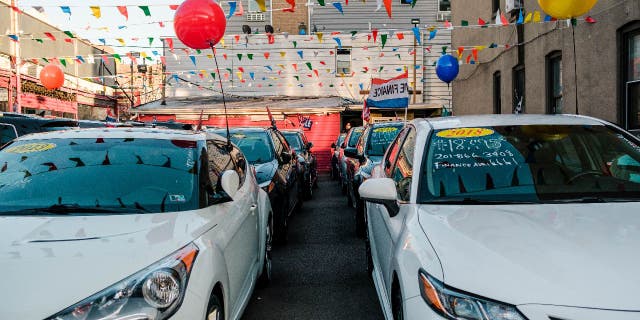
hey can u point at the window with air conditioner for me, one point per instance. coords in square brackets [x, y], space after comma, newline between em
[343, 62]
[511, 5]
[444, 10]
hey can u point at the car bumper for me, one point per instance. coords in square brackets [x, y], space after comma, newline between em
[416, 308]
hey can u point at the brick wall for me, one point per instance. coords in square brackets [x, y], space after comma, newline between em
[289, 21]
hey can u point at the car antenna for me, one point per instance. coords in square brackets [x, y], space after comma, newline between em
[199, 127]
[224, 102]
[273, 121]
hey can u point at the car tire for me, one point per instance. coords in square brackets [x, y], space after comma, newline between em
[396, 302]
[361, 224]
[265, 276]
[215, 311]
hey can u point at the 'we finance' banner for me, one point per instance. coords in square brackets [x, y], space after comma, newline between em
[389, 93]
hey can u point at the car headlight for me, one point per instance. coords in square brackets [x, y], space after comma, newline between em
[457, 305]
[153, 293]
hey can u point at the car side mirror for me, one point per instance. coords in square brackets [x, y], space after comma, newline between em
[230, 182]
[285, 157]
[309, 145]
[381, 191]
[353, 153]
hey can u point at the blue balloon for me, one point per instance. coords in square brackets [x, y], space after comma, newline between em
[447, 68]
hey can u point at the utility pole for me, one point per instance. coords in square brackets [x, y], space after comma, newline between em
[415, 22]
[15, 51]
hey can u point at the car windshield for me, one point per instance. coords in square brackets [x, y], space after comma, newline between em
[531, 163]
[294, 140]
[98, 175]
[380, 138]
[256, 145]
[355, 135]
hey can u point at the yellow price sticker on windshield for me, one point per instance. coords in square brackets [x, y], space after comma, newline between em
[384, 130]
[31, 147]
[464, 133]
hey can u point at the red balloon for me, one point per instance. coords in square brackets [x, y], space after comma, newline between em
[199, 24]
[52, 76]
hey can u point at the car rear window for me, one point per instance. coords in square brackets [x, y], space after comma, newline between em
[381, 138]
[146, 175]
[531, 163]
[256, 145]
[294, 140]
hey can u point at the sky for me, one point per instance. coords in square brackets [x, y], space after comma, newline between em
[112, 24]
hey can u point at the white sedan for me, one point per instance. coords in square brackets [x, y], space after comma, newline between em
[507, 217]
[129, 224]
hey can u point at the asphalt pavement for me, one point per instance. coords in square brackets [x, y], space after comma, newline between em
[321, 272]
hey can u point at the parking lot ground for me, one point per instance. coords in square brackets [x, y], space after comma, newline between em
[321, 272]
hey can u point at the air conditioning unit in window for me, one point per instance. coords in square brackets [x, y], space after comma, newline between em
[443, 16]
[255, 16]
[511, 5]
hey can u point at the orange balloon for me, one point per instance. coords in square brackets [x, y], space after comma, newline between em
[566, 9]
[52, 76]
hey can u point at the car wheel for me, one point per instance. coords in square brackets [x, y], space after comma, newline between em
[265, 276]
[361, 224]
[396, 302]
[214, 309]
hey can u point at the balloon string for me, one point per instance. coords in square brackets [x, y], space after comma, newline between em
[575, 64]
[224, 102]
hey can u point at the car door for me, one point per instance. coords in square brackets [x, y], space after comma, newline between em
[383, 227]
[240, 221]
[286, 171]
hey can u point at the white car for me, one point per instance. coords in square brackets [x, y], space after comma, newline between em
[507, 217]
[129, 223]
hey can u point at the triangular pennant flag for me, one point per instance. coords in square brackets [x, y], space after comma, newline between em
[261, 5]
[232, 8]
[193, 59]
[400, 35]
[267, 55]
[301, 54]
[590, 19]
[481, 22]
[123, 11]
[448, 24]
[528, 18]
[150, 40]
[319, 35]
[163, 59]
[13, 37]
[295, 43]
[536, 16]
[69, 34]
[146, 11]
[121, 41]
[50, 36]
[66, 10]
[239, 55]
[95, 11]
[338, 6]
[292, 3]
[504, 20]
[240, 9]
[169, 42]
[297, 78]
[520, 18]
[339, 42]
[387, 6]
[173, 6]
[416, 34]
[383, 39]
[464, 23]
[252, 75]
[250, 56]
[316, 73]
[468, 59]
[321, 2]
[80, 59]
[295, 66]
[39, 40]
[460, 51]
[547, 18]
[375, 35]
[309, 65]
[117, 57]
[433, 33]
[63, 61]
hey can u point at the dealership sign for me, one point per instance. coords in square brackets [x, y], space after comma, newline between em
[389, 93]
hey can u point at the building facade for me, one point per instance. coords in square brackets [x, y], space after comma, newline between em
[589, 67]
[25, 50]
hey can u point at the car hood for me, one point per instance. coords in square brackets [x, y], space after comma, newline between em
[265, 171]
[580, 255]
[51, 263]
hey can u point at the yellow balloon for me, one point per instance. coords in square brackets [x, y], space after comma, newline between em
[566, 9]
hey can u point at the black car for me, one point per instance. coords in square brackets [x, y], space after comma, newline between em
[21, 124]
[276, 170]
[367, 154]
[306, 159]
[350, 141]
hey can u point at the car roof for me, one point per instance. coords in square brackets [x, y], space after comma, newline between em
[506, 119]
[387, 124]
[131, 132]
[246, 129]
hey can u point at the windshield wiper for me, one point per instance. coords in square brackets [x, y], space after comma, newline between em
[64, 209]
[476, 201]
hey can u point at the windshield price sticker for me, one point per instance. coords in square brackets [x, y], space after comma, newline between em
[464, 133]
[31, 147]
[385, 130]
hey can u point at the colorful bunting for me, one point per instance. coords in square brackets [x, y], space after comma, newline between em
[123, 11]
[69, 34]
[50, 36]
[387, 6]
[416, 34]
[338, 6]
[301, 54]
[66, 10]
[262, 5]
[13, 37]
[232, 9]
[383, 39]
[193, 59]
[146, 11]
[339, 42]
[95, 11]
